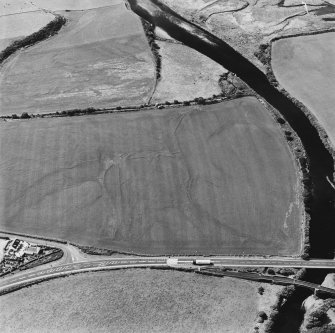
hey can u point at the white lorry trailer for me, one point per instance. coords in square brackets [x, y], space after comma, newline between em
[202, 262]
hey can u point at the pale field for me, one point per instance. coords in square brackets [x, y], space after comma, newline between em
[6, 42]
[19, 25]
[8, 7]
[213, 179]
[305, 67]
[100, 58]
[247, 24]
[136, 301]
[186, 74]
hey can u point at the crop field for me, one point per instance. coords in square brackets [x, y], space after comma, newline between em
[213, 179]
[136, 301]
[186, 74]
[305, 67]
[99, 58]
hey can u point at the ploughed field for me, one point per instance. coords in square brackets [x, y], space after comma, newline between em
[305, 67]
[100, 58]
[217, 179]
[136, 301]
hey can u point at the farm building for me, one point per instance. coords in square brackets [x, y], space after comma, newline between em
[31, 250]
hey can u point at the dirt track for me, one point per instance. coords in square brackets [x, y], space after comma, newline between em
[218, 180]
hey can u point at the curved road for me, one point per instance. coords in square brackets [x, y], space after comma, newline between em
[76, 261]
[21, 278]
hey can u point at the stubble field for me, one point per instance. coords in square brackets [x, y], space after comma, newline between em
[305, 67]
[216, 179]
[186, 74]
[100, 58]
[136, 301]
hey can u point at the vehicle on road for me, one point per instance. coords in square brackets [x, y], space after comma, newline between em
[202, 262]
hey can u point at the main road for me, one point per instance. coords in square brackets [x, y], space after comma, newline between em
[76, 261]
[27, 277]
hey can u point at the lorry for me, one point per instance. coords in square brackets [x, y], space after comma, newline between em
[201, 262]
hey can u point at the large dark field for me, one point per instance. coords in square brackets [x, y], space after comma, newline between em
[218, 179]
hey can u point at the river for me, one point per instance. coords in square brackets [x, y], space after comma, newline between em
[321, 163]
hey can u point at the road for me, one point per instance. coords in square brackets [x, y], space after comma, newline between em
[21, 278]
[61, 269]
[282, 280]
[75, 261]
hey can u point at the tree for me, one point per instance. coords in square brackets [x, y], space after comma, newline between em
[286, 271]
[288, 291]
[261, 290]
[200, 100]
[262, 315]
[90, 110]
[25, 115]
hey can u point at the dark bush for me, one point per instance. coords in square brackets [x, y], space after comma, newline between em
[261, 290]
[286, 271]
[149, 30]
[262, 315]
[25, 115]
[200, 100]
[90, 110]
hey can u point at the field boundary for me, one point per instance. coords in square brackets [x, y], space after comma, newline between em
[94, 251]
[265, 56]
[149, 31]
